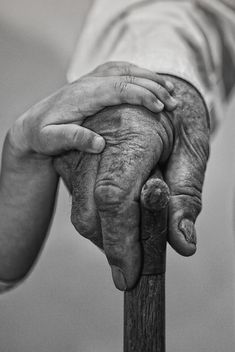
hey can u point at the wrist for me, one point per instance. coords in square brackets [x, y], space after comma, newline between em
[17, 141]
[21, 171]
[21, 160]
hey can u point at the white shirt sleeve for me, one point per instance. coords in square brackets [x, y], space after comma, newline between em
[190, 39]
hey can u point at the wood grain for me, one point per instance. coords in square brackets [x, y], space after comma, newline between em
[144, 306]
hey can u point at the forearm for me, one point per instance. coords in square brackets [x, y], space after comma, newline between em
[27, 197]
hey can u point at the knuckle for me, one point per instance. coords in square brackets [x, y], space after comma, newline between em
[78, 136]
[164, 94]
[130, 79]
[190, 198]
[109, 196]
[126, 69]
[195, 202]
[121, 86]
[84, 226]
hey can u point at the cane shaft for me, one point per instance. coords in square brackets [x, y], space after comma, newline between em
[144, 315]
[144, 306]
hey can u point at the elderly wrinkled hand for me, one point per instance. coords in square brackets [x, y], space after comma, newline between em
[106, 188]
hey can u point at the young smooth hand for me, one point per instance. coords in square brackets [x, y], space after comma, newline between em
[54, 125]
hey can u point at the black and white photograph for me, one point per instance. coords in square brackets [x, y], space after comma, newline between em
[117, 176]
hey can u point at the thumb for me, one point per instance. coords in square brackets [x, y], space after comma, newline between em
[56, 139]
[184, 176]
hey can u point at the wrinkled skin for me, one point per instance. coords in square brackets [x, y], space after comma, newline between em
[106, 188]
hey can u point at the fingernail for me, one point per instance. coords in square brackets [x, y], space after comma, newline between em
[159, 105]
[171, 104]
[118, 278]
[174, 102]
[98, 144]
[187, 227]
[170, 85]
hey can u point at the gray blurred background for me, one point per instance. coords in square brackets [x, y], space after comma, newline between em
[68, 303]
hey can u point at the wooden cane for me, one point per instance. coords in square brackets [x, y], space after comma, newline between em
[144, 306]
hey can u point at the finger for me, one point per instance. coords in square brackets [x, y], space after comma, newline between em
[122, 68]
[122, 172]
[56, 139]
[99, 93]
[160, 92]
[122, 91]
[84, 214]
[184, 176]
[120, 229]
